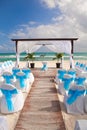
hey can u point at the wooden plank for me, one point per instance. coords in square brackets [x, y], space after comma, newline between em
[41, 110]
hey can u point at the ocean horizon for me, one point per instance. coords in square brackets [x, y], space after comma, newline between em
[41, 56]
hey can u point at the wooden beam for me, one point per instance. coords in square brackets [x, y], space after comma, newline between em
[46, 39]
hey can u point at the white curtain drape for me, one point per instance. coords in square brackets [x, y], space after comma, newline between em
[56, 46]
[60, 46]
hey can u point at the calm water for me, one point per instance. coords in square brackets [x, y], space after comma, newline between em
[40, 56]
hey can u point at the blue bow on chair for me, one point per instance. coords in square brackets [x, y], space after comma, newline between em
[74, 94]
[15, 71]
[61, 74]
[27, 72]
[44, 67]
[21, 79]
[8, 78]
[8, 95]
[82, 66]
[72, 73]
[67, 82]
[80, 80]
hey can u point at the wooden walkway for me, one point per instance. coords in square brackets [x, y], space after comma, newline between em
[41, 110]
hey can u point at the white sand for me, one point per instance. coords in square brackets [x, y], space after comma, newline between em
[38, 64]
[66, 63]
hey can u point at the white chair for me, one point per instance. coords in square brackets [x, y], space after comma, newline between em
[31, 79]
[44, 67]
[15, 70]
[12, 99]
[2, 80]
[59, 75]
[64, 85]
[21, 82]
[29, 75]
[81, 125]
[7, 77]
[27, 72]
[74, 100]
[3, 123]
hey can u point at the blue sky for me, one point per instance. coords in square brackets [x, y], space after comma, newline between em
[42, 18]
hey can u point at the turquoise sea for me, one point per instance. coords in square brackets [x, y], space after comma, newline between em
[41, 56]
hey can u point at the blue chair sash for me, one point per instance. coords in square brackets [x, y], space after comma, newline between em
[67, 82]
[27, 73]
[61, 71]
[61, 74]
[15, 71]
[77, 63]
[72, 73]
[8, 95]
[82, 65]
[21, 80]
[80, 80]
[74, 94]
[44, 67]
[8, 78]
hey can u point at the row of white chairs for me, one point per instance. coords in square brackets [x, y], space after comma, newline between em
[74, 91]
[6, 66]
[13, 88]
[81, 69]
[14, 84]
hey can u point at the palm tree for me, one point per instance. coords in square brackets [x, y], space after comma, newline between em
[30, 57]
[58, 57]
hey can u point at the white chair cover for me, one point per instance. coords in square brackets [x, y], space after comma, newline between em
[77, 107]
[16, 83]
[3, 123]
[81, 125]
[57, 80]
[61, 85]
[1, 80]
[44, 67]
[85, 103]
[17, 100]
[7, 76]
[31, 79]
[31, 76]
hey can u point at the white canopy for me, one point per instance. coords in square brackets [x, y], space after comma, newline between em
[56, 46]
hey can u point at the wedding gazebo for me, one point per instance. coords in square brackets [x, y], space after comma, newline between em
[58, 45]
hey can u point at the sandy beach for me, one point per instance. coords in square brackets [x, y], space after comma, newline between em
[65, 65]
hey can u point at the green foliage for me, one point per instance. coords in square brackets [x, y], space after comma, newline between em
[58, 56]
[30, 56]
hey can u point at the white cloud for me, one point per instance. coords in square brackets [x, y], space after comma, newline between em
[32, 22]
[50, 3]
[73, 19]
[17, 34]
[71, 23]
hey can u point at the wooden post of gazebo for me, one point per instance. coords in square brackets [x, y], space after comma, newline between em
[72, 45]
[17, 53]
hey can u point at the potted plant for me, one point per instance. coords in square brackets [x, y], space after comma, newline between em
[30, 57]
[58, 57]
